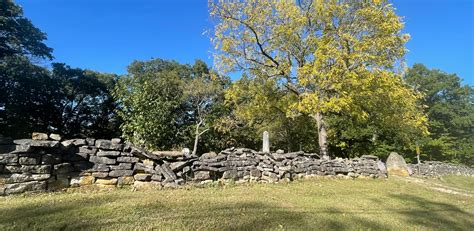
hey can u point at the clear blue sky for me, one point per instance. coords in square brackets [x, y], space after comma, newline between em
[107, 35]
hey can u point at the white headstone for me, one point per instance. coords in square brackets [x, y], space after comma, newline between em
[266, 142]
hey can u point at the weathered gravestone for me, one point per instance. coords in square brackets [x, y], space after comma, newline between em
[266, 142]
[396, 165]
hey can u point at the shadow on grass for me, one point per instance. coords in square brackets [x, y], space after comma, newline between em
[108, 212]
[435, 215]
[82, 212]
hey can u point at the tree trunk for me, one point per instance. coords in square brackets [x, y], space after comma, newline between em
[196, 138]
[322, 135]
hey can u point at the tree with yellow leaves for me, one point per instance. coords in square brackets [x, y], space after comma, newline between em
[331, 56]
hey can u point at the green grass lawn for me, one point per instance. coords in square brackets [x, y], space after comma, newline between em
[308, 204]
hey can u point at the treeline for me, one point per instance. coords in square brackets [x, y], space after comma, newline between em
[163, 104]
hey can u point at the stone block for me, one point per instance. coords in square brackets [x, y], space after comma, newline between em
[142, 177]
[100, 174]
[116, 141]
[125, 180]
[127, 159]
[108, 181]
[29, 160]
[8, 159]
[156, 177]
[19, 178]
[39, 136]
[108, 153]
[121, 166]
[230, 174]
[56, 137]
[37, 143]
[32, 169]
[108, 145]
[88, 149]
[255, 173]
[25, 187]
[102, 160]
[117, 173]
[82, 181]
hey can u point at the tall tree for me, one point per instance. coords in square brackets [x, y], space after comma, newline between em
[201, 92]
[86, 105]
[151, 103]
[18, 36]
[334, 56]
[450, 109]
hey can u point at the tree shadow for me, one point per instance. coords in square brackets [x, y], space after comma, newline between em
[435, 215]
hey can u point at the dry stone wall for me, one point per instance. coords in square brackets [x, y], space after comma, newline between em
[436, 168]
[45, 164]
[49, 165]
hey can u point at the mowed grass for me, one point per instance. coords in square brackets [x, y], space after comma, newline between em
[312, 204]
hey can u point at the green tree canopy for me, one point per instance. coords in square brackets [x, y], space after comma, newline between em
[18, 36]
[450, 109]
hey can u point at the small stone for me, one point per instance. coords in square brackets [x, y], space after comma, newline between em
[29, 160]
[230, 174]
[39, 136]
[102, 160]
[157, 177]
[56, 137]
[108, 153]
[121, 166]
[100, 174]
[279, 151]
[116, 141]
[117, 173]
[148, 162]
[110, 181]
[125, 180]
[86, 180]
[88, 149]
[128, 159]
[208, 155]
[8, 159]
[202, 175]
[142, 177]
[255, 173]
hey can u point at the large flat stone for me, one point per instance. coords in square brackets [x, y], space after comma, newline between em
[32, 169]
[37, 143]
[24, 187]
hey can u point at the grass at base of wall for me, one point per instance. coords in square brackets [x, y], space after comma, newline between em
[394, 203]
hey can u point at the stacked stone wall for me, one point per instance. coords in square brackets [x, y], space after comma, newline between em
[43, 164]
[436, 168]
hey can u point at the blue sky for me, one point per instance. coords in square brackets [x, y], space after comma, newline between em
[107, 35]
